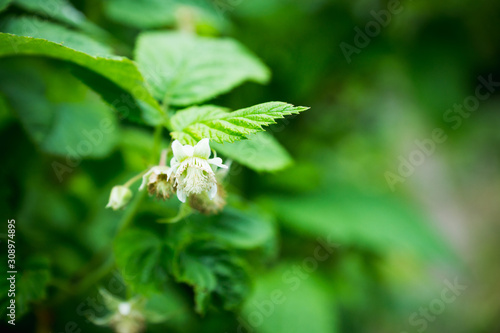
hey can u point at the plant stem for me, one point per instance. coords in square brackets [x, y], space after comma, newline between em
[163, 157]
[156, 144]
[134, 179]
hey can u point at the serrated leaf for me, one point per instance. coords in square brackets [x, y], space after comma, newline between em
[261, 152]
[166, 306]
[119, 70]
[182, 69]
[30, 285]
[240, 230]
[217, 276]
[37, 28]
[60, 114]
[243, 230]
[208, 121]
[62, 11]
[140, 257]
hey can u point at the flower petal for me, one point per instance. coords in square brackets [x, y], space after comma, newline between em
[217, 161]
[202, 149]
[161, 169]
[145, 179]
[180, 153]
[174, 164]
[212, 192]
[169, 173]
[181, 195]
[189, 150]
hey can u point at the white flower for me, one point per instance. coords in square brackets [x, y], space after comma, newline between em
[124, 308]
[158, 181]
[192, 169]
[119, 197]
[205, 205]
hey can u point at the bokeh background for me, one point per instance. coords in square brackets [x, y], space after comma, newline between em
[398, 244]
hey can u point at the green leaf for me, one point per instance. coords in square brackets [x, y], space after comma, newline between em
[261, 152]
[4, 4]
[218, 276]
[165, 306]
[121, 71]
[241, 230]
[57, 111]
[140, 256]
[209, 121]
[62, 11]
[37, 28]
[348, 217]
[283, 302]
[31, 285]
[116, 97]
[182, 69]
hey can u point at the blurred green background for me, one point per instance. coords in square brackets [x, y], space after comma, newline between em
[397, 248]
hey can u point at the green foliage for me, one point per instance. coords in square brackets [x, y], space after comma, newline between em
[380, 224]
[261, 152]
[209, 121]
[141, 258]
[259, 264]
[216, 274]
[71, 122]
[158, 13]
[4, 4]
[38, 28]
[238, 229]
[30, 285]
[119, 70]
[60, 10]
[282, 302]
[182, 69]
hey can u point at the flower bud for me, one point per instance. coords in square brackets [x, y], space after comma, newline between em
[159, 182]
[119, 198]
[127, 319]
[124, 316]
[206, 205]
